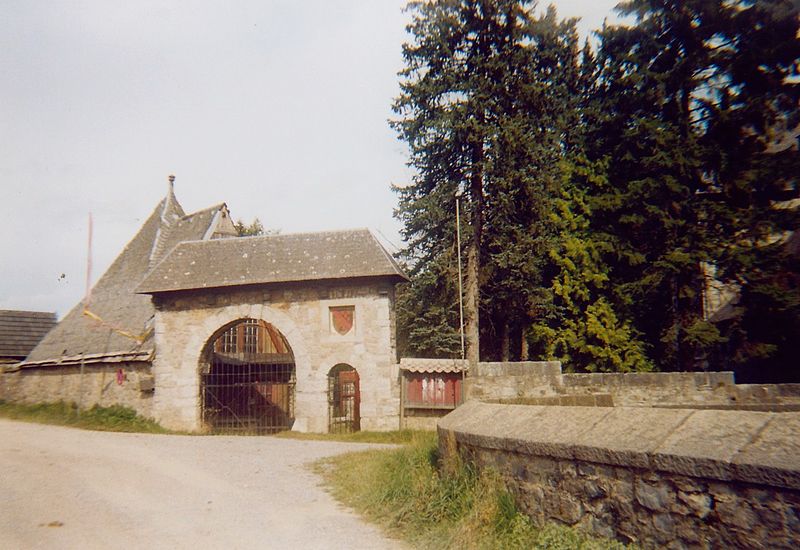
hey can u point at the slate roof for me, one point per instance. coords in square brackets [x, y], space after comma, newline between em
[79, 337]
[20, 331]
[272, 259]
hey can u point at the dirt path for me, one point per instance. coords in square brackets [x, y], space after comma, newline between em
[68, 488]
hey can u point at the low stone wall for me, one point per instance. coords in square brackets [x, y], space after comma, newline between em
[716, 390]
[542, 383]
[97, 385]
[673, 478]
[514, 379]
[421, 419]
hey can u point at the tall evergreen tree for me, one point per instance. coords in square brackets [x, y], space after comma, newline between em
[689, 97]
[482, 109]
[584, 330]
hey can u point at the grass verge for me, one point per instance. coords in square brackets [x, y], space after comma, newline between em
[397, 437]
[108, 419]
[402, 490]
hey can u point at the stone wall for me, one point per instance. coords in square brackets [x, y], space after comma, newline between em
[421, 419]
[663, 478]
[542, 383]
[514, 379]
[186, 322]
[96, 385]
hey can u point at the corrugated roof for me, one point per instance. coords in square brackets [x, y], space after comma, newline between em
[113, 297]
[20, 331]
[414, 364]
[271, 259]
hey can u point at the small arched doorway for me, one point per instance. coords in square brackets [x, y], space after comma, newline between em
[247, 380]
[344, 400]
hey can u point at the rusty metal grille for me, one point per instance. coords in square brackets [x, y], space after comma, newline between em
[344, 400]
[248, 398]
[247, 385]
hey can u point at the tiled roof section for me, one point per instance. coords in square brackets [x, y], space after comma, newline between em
[113, 297]
[412, 364]
[272, 259]
[20, 331]
[171, 213]
[189, 227]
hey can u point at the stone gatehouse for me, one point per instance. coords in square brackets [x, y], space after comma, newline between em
[187, 323]
[206, 331]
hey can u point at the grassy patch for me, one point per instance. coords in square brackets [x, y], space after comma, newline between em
[110, 419]
[403, 491]
[398, 437]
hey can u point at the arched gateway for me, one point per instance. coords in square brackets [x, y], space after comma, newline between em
[247, 379]
[247, 331]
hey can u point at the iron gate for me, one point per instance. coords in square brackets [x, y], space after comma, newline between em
[247, 385]
[344, 400]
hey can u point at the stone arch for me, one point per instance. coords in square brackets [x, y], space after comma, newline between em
[217, 320]
[247, 379]
[227, 315]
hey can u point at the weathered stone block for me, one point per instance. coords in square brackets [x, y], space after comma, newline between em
[705, 444]
[735, 512]
[773, 458]
[627, 437]
[698, 503]
[654, 497]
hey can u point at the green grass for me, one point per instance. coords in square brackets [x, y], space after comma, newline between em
[430, 504]
[397, 437]
[109, 419]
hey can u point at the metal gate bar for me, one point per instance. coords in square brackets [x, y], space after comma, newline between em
[248, 398]
[344, 400]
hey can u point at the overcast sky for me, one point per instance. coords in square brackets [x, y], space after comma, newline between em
[277, 108]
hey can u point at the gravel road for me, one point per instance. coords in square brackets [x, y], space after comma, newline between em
[69, 488]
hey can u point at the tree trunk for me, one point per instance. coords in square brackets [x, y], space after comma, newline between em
[471, 305]
[524, 352]
[472, 290]
[505, 341]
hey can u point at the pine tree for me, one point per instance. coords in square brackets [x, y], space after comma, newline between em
[541, 109]
[484, 93]
[585, 332]
[689, 97]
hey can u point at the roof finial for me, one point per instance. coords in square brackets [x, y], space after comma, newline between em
[171, 179]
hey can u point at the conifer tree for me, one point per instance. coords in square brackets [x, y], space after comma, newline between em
[689, 97]
[584, 332]
[482, 109]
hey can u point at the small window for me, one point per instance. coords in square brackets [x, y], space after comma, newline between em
[230, 341]
[342, 319]
[251, 336]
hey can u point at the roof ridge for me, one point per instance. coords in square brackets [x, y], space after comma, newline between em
[113, 296]
[279, 235]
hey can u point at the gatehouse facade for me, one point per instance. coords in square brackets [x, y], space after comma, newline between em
[290, 388]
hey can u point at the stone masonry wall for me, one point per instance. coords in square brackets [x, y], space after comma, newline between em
[663, 478]
[186, 322]
[97, 385]
[514, 379]
[542, 383]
